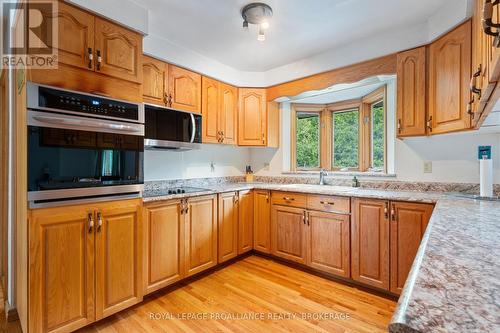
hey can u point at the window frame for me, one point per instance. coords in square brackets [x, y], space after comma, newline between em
[325, 112]
[305, 108]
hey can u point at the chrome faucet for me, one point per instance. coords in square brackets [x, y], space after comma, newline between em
[322, 175]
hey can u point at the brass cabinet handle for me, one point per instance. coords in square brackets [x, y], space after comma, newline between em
[488, 18]
[170, 100]
[429, 124]
[288, 199]
[90, 218]
[327, 203]
[165, 99]
[304, 217]
[469, 107]
[183, 206]
[99, 221]
[235, 199]
[307, 218]
[91, 57]
[386, 210]
[267, 198]
[99, 59]
[473, 82]
[393, 213]
[399, 125]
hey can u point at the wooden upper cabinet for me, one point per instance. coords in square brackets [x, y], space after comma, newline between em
[329, 243]
[164, 244]
[289, 233]
[120, 51]
[252, 117]
[228, 226]
[408, 224]
[370, 242]
[118, 256]
[210, 110]
[184, 89]
[449, 78]
[228, 106]
[411, 101]
[75, 35]
[61, 272]
[201, 234]
[262, 221]
[154, 81]
[245, 230]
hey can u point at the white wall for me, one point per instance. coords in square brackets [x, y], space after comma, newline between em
[166, 165]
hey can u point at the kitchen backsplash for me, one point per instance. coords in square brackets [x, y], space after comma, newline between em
[469, 188]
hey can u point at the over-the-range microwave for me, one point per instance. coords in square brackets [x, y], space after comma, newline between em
[171, 129]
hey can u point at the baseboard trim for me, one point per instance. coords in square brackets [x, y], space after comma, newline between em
[10, 313]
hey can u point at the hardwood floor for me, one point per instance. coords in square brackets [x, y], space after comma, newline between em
[260, 287]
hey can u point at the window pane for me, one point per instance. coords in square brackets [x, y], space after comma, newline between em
[378, 134]
[307, 140]
[346, 139]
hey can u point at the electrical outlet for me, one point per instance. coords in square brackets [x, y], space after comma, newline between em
[427, 167]
[266, 166]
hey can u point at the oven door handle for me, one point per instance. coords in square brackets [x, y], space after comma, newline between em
[193, 124]
[81, 122]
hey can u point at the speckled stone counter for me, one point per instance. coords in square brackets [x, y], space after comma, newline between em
[454, 283]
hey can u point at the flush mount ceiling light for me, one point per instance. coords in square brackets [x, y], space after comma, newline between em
[259, 14]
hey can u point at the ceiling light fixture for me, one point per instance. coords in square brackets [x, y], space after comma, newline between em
[259, 14]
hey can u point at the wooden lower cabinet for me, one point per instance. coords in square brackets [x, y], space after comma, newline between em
[245, 230]
[201, 234]
[262, 221]
[289, 233]
[118, 244]
[329, 243]
[228, 226]
[408, 224]
[84, 263]
[61, 269]
[163, 244]
[370, 242]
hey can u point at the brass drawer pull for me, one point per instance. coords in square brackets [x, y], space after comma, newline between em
[288, 199]
[327, 203]
[91, 222]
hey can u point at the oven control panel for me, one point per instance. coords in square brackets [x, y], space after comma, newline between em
[88, 104]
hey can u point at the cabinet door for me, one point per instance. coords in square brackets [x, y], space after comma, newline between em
[408, 223]
[411, 94]
[288, 233]
[118, 257]
[201, 234]
[449, 78]
[228, 226]
[370, 242]
[184, 89]
[228, 106]
[210, 110]
[262, 221]
[154, 81]
[75, 35]
[61, 272]
[329, 243]
[164, 245]
[245, 234]
[252, 117]
[120, 50]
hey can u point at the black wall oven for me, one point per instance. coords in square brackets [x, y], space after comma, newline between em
[82, 147]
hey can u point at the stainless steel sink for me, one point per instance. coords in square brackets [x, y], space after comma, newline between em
[320, 187]
[473, 196]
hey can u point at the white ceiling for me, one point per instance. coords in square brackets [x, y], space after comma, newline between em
[299, 28]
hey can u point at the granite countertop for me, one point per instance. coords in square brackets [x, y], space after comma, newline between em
[454, 283]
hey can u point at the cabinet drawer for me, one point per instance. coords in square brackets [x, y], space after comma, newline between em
[327, 203]
[289, 199]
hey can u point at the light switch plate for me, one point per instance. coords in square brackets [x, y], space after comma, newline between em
[427, 167]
